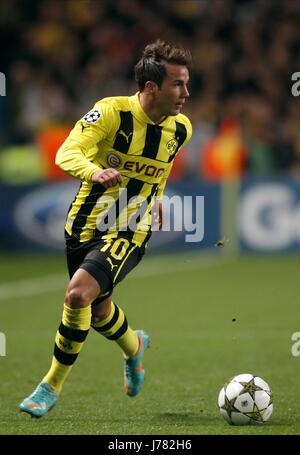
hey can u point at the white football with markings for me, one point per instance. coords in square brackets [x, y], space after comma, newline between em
[246, 399]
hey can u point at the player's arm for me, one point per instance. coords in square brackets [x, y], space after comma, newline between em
[77, 154]
[157, 213]
[158, 210]
[160, 215]
[158, 205]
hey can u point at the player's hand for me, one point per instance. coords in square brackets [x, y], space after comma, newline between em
[158, 214]
[107, 177]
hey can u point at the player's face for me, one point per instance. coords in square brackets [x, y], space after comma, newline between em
[173, 92]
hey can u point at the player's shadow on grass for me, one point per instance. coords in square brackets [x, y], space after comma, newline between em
[186, 418]
[190, 418]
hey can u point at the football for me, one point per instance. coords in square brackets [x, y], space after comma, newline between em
[246, 399]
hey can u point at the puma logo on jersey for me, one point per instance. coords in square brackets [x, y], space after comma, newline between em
[111, 264]
[127, 136]
[83, 127]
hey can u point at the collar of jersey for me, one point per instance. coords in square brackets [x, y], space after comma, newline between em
[140, 113]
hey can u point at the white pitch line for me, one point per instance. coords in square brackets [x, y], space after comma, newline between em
[56, 282]
[34, 286]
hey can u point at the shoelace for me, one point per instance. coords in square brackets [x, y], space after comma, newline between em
[41, 394]
[130, 372]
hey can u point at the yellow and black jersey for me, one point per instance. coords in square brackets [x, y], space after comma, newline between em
[118, 134]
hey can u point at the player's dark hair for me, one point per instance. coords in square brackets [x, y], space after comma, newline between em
[151, 67]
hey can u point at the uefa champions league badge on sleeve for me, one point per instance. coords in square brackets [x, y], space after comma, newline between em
[92, 116]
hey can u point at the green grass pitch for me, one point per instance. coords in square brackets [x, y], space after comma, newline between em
[187, 304]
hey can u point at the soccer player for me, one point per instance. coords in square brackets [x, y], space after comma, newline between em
[122, 151]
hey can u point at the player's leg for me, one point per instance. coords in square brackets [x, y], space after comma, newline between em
[73, 329]
[71, 334]
[109, 320]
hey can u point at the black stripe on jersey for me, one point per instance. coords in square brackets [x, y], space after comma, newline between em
[146, 239]
[125, 132]
[133, 188]
[75, 197]
[145, 205]
[63, 357]
[153, 137]
[72, 334]
[149, 233]
[86, 208]
[180, 136]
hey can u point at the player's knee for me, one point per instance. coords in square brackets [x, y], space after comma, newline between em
[77, 298]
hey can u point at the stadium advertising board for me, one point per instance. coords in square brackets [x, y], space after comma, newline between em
[34, 216]
[268, 215]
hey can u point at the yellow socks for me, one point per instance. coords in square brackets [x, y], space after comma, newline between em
[69, 340]
[115, 327]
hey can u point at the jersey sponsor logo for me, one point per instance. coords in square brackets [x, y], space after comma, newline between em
[141, 168]
[172, 146]
[113, 160]
[92, 116]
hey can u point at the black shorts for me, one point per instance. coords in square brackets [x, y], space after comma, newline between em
[107, 259]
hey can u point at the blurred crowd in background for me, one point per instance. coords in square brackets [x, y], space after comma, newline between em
[61, 56]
